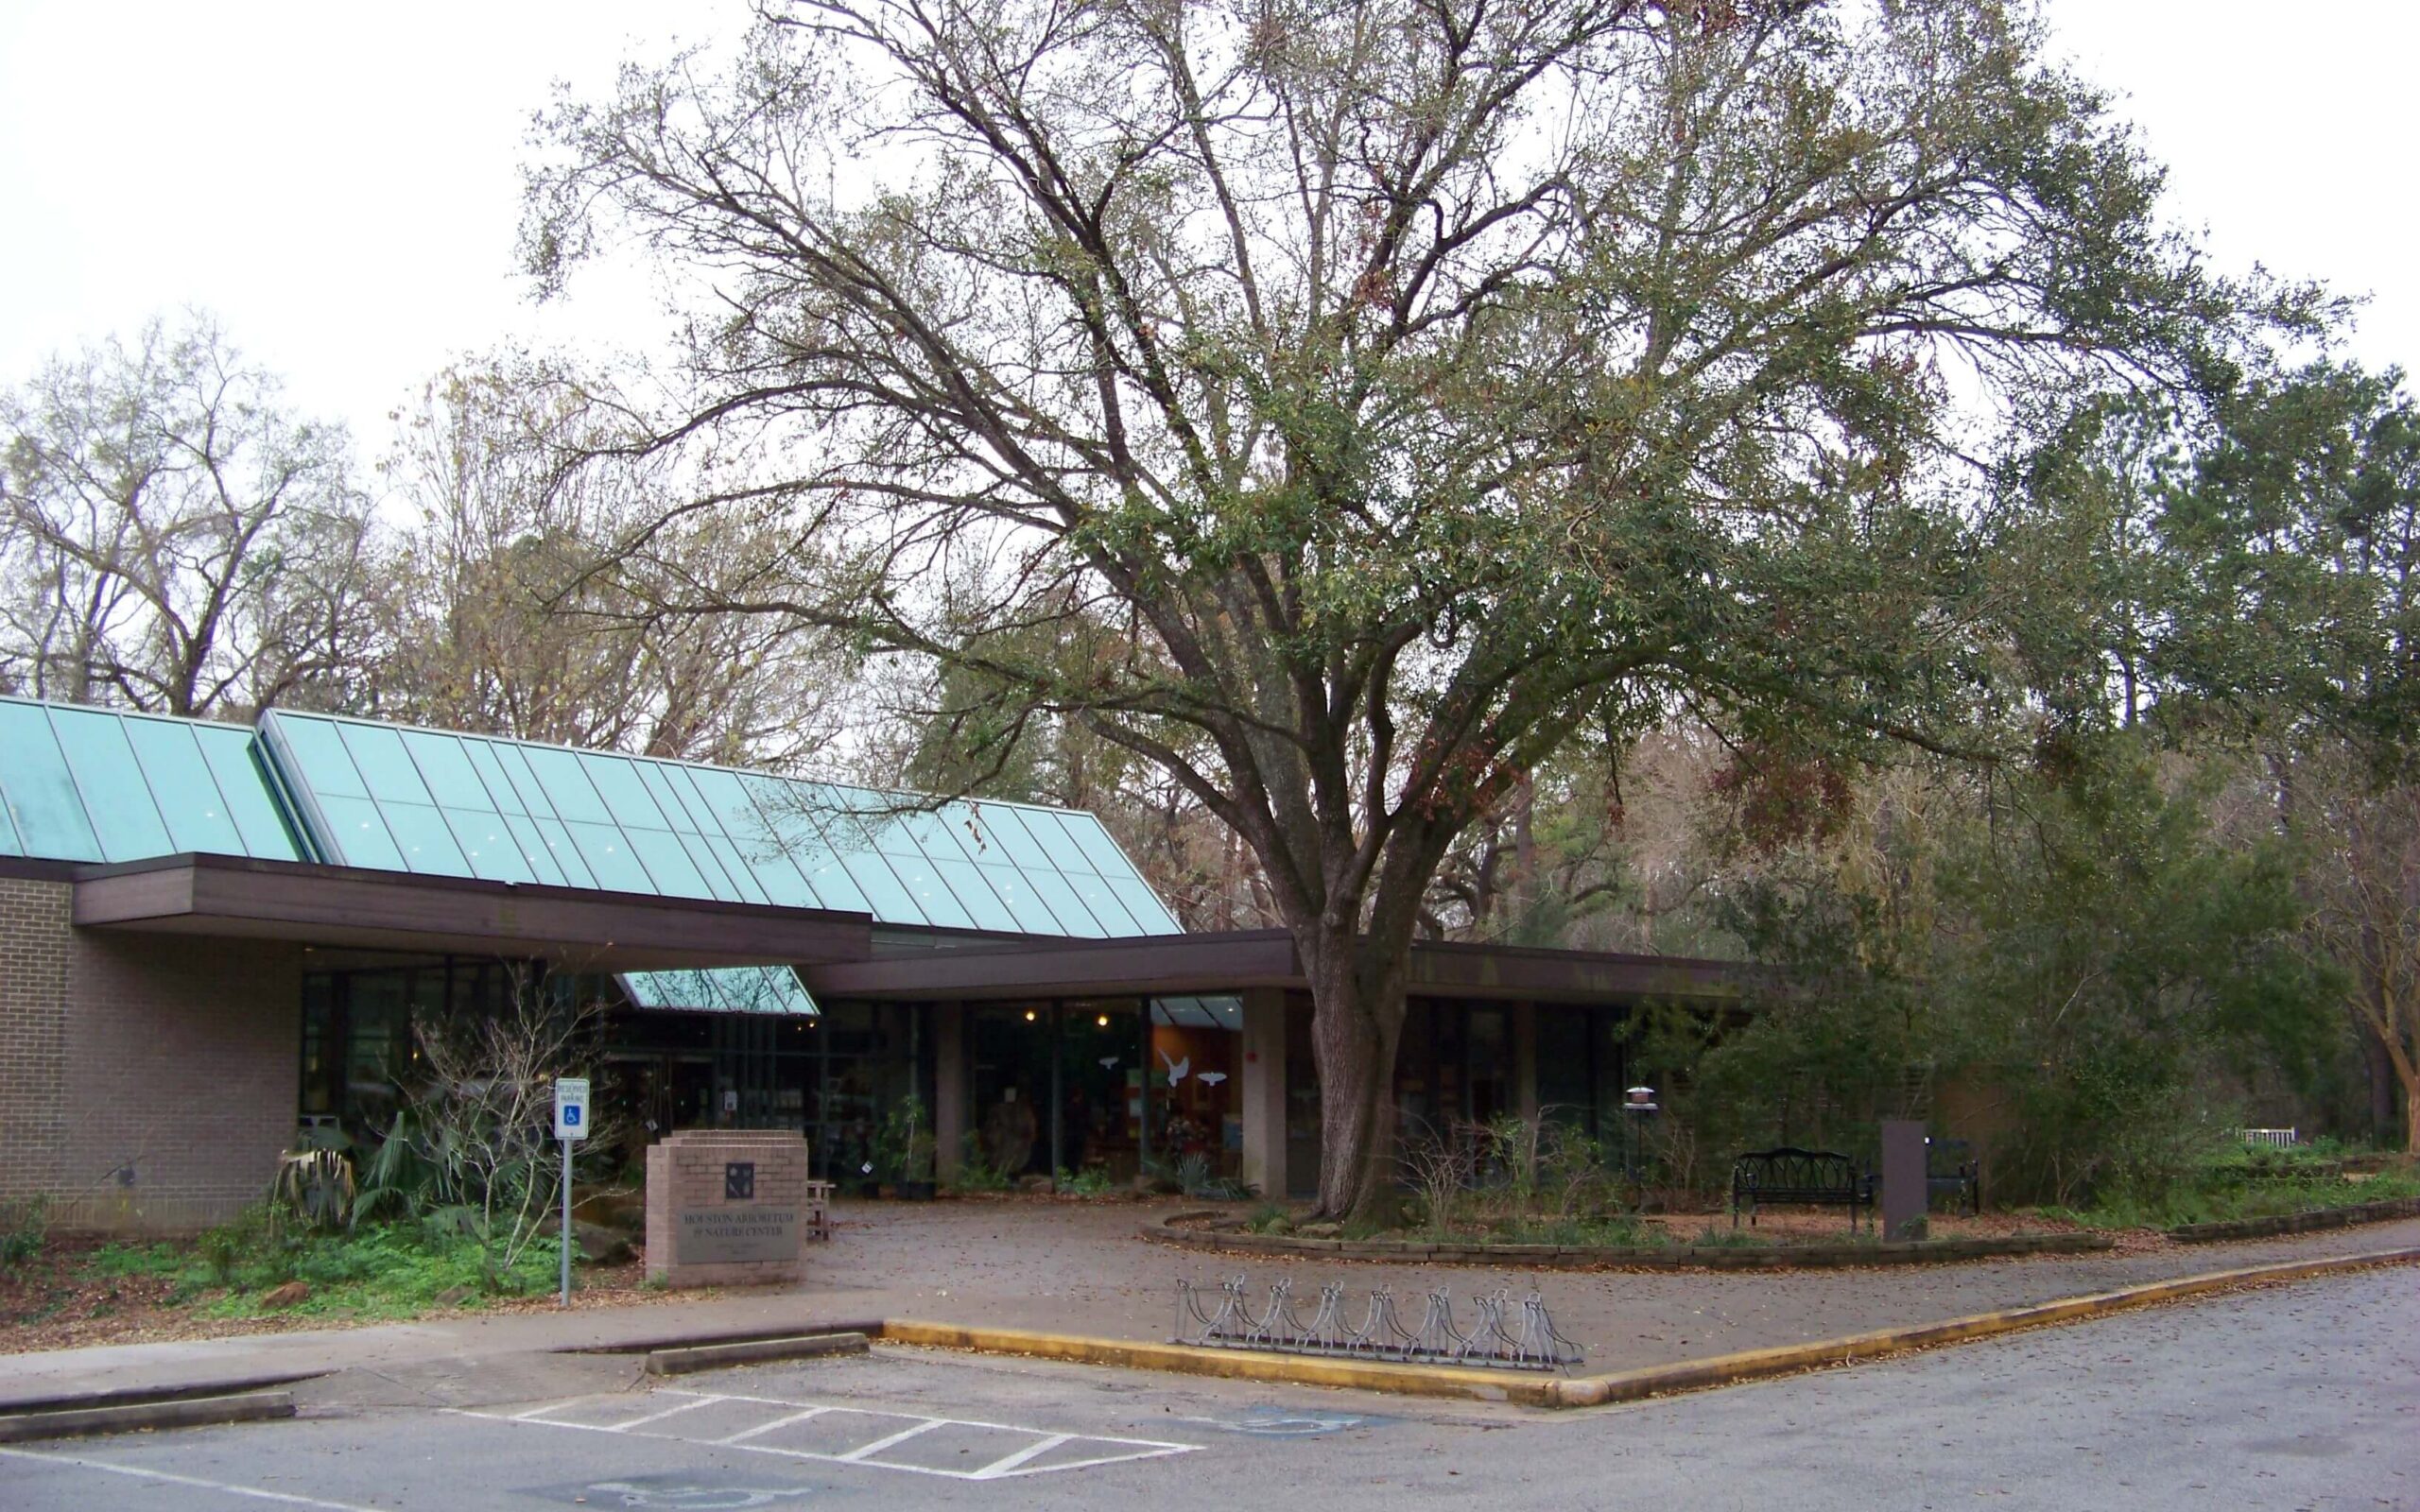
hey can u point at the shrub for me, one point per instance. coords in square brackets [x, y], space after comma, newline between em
[25, 1223]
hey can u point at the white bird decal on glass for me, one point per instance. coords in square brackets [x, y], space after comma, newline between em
[1211, 1078]
[1178, 1070]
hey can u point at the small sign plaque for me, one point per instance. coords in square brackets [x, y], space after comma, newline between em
[571, 1107]
[739, 1181]
[731, 1236]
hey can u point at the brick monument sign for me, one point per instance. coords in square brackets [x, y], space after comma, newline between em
[726, 1207]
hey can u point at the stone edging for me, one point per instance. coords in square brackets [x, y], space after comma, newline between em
[2297, 1223]
[1583, 1257]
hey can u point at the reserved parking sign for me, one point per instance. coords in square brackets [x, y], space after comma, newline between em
[571, 1107]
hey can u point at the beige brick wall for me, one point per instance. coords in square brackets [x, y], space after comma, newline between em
[685, 1173]
[172, 1058]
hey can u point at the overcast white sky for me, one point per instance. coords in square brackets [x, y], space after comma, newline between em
[339, 183]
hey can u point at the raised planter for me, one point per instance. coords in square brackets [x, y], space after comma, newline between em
[2297, 1223]
[1592, 1257]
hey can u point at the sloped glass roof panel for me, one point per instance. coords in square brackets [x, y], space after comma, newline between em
[886, 898]
[1056, 842]
[611, 858]
[484, 760]
[1150, 915]
[183, 785]
[1000, 835]
[985, 908]
[618, 782]
[314, 755]
[939, 904]
[104, 784]
[1104, 905]
[668, 861]
[566, 786]
[427, 843]
[724, 989]
[1032, 915]
[355, 834]
[488, 843]
[1060, 900]
[234, 754]
[446, 765]
[386, 767]
[116, 798]
[514, 809]
[1092, 838]
[45, 807]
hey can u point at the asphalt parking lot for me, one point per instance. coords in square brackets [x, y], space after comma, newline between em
[2285, 1398]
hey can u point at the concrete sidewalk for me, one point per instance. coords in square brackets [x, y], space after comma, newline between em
[1078, 1268]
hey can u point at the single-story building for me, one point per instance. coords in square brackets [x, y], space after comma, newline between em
[218, 935]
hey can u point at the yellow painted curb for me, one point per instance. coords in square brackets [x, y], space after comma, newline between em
[1590, 1391]
[1751, 1364]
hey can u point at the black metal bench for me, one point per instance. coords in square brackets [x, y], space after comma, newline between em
[1813, 1177]
[1952, 1171]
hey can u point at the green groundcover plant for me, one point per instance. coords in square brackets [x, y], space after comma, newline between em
[387, 1270]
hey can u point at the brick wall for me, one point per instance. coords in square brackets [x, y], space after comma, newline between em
[147, 1082]
[34, 943]
[684, 1173]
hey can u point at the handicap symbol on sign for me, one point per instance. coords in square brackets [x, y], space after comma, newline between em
[571, 1115]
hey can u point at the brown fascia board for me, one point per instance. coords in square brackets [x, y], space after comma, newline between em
[234, 897]
[1141, 965]
[1173, 965]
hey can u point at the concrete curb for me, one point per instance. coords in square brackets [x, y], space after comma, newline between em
[1585, 1256]
[682, 1361]
[181, 1412]
[1629, 1386]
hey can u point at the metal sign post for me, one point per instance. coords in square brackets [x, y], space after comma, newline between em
[571, 1122]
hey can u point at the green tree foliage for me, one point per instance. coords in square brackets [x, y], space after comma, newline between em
[1347, 407]
[2093, 959]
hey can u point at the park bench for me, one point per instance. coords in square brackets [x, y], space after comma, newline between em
[1813, 1177]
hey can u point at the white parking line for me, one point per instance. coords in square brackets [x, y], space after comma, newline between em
[865, 1452]
[283, 1498]
[746, 1434]
[1017, 1462]
[1008, 1463]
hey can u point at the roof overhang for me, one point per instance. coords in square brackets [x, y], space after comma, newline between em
[1167, 965]
[228, 897]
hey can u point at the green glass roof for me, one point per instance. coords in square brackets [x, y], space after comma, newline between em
[101, 785]
[447, 804]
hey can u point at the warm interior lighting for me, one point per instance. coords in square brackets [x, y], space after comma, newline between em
[1029, 1015]
[1102, 1020]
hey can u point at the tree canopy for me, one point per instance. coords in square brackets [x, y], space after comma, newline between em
[1346, 405]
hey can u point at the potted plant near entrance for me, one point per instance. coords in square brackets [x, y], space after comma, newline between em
[903, 1151]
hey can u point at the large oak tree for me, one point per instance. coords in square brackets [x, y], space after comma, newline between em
[1347, 404]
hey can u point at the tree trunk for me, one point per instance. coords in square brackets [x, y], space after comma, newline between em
[1356, 1021]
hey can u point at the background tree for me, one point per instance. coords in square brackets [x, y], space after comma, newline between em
[492, 622]
[173, 536]
[1347, 407]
